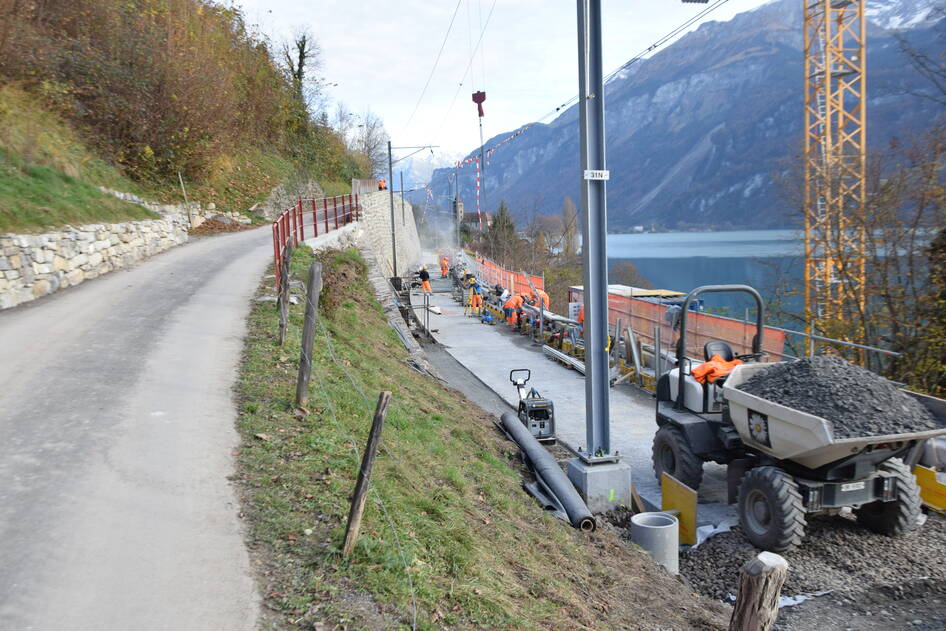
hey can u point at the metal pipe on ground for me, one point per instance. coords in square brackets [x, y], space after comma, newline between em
[551, 475]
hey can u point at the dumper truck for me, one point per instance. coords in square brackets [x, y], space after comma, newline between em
[783, 464]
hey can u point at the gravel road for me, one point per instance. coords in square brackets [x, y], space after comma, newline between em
[118, 426]
[903, 577]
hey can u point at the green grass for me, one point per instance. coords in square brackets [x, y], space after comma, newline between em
[478, 551]
[48, 174]
[331, 188]
[35, 198]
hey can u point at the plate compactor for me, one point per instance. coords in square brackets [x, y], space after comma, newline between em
[535, 411]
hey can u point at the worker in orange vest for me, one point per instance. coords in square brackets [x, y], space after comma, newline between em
[512, 305]
[541, 298]
[444, 266]
[581, 318]
[424, 280]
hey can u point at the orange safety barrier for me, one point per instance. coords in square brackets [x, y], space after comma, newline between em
[516, 282]
[642, 316]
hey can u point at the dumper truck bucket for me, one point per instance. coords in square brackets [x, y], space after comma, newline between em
[789, 434]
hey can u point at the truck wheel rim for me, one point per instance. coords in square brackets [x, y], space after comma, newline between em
[758, 512]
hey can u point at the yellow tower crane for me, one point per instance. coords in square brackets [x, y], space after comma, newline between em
[835, 166]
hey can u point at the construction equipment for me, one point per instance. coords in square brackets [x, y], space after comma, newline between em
[535, 411]
[782, 463]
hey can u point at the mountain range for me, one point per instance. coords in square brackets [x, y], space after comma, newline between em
[706, 133]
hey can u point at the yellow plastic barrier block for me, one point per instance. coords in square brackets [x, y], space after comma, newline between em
[932, 491]
[675, 495]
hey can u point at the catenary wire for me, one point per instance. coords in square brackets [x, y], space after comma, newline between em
[436, 62]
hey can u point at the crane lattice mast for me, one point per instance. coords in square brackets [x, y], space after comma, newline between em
[835, 165]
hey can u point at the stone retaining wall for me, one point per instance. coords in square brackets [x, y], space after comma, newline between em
[35, 265]
[376, 213]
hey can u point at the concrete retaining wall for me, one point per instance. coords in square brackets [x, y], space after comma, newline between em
[376, 212]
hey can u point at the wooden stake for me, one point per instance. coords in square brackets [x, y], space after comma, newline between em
[312, 291]
[637, 504]
[760, 583]
[284, 295]
[364, 475]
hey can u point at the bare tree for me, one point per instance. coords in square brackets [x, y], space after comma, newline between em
[343, 122]
[569, 243]
[303, 58]
[372, 142]
[929, 63]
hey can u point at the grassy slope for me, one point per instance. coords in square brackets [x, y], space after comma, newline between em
[48, 175]
[480, 553]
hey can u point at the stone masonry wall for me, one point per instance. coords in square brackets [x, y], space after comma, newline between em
[376, 212]
[35, 265]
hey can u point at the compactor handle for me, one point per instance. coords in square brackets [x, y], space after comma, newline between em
[525, 380]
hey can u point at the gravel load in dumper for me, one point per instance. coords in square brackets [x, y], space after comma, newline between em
[856, 401]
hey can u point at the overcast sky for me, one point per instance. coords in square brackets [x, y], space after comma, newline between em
[380, 54]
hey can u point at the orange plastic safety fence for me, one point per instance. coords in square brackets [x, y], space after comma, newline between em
[643, 316]
[516, 282]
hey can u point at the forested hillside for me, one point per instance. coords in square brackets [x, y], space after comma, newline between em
[157, 88]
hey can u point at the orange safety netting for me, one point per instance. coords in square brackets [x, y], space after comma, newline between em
[516, 282]
[644, 317]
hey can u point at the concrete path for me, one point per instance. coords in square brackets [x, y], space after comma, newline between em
[117, 416]
[490, 352]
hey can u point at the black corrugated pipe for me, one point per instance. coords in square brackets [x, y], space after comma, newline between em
[545, 467]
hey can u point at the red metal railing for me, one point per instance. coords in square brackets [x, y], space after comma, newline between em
[290, 227]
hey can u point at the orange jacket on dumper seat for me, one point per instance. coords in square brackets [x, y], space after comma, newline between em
[716, 367]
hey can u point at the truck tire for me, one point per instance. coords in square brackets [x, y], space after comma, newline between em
[771, 511]
[672, 453]
[899, 516]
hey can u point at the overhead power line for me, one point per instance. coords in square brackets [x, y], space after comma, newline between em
[660, 42]
[468, 66]
[436, 61]
[639, 56]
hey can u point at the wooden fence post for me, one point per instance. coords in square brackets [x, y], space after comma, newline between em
[364, 475]
[760, 583]
[312, 291]
[284, 293]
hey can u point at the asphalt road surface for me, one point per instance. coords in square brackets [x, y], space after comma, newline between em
[117, 421]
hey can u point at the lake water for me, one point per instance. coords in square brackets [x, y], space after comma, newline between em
[764, 259]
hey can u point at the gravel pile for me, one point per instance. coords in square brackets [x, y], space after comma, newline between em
[837, 554]
[855, 400]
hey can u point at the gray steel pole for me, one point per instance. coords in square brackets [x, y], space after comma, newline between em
[594, 227]
[482, 168]
[391, 196]
[456, 203]
[401, 173]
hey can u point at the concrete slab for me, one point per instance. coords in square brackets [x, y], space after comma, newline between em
[603, 486]
[491, 351]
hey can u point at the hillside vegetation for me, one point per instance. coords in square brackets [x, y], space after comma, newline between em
[456, 535]
[135, 93]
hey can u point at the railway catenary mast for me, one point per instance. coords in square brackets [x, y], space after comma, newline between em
[835, 164]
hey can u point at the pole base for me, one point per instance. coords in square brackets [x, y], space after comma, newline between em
[604, 485]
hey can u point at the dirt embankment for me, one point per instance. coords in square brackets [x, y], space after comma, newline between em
[450, 533]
